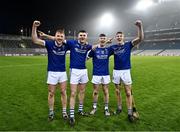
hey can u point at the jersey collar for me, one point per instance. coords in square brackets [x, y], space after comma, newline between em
[58, 45]
[121, 43]
[100, 46]
[84, 44]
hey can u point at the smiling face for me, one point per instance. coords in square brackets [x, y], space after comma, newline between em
[102, 40]
[120, 37]
[59, 37]
[82, 37]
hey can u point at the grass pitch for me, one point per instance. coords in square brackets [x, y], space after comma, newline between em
[23, 97]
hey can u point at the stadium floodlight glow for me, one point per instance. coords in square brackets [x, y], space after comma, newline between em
[161, 1]
[144, 4]
[106, 20]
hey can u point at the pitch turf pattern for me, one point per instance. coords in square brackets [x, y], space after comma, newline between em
[23, 97]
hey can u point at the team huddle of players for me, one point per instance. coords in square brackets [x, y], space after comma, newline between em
[80, 51]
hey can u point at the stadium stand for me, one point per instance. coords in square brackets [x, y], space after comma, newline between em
[150, 52]
[136, 52]
[162, 37]
[11, 45]
[172, 52]
[164, 43]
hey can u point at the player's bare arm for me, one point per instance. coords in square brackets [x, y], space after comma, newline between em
[94, 46]
[140, 36]
[46, 36]
[35, 38]
[109, 40]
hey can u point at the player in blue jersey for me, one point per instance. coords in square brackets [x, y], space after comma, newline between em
[122, 66]
[101, 76]
[78, 72]
[56, 50]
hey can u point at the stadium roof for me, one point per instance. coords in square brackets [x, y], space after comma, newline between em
[17, 16]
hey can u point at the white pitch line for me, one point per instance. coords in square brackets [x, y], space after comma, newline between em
[23, 65]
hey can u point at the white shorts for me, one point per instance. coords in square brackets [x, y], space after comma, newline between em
[122, 75]
[101, 79]
[78, 76]
[56, 77]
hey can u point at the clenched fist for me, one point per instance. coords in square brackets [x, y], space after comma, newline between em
[36, 23]
[41, 34]
[138, 23]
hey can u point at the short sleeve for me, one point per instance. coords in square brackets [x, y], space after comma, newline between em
[69, 43]
[89, 47]
[48, 43]
[130, 44]
[111, 50]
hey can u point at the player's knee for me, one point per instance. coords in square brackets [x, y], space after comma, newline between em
[51, 94]
[73, 94]
[128, 93]
[95, 93]
[82, 91]
[63, 92]
[117, 91]
[106, 93]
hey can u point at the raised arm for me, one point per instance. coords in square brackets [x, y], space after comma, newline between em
[140, 36]
[35, 38]
[109, 40]
[45, 36]
[96, 44]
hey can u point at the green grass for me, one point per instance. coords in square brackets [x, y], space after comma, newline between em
[23, 97]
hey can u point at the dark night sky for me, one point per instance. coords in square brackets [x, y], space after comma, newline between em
[70, 14]
[74, 14]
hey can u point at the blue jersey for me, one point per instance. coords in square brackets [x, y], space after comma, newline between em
[122, 56]
[78, 53]
[56, 56]
[100, 58]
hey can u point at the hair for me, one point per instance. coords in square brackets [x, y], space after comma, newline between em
[82, 31]
[60, 30]
[102, 35]
[119, 32]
